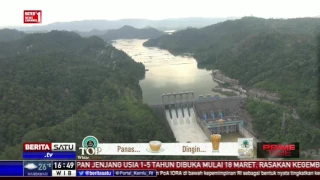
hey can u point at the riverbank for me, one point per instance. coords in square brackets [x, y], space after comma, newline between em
[227, 86]
[226, 92]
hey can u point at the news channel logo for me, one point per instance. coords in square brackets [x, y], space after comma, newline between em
[90, 146]
[278, 150]
[32, 16]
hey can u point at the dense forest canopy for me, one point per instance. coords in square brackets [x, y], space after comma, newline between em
[10, 35]
[276, 55]
[60, 87]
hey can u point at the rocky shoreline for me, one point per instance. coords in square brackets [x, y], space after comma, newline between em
[227, 86]
[231, 87]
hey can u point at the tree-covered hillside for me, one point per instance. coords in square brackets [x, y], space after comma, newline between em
[60, 87]
[10, 35]
[272, 54]
[94, 32]
[129, 32]
[225, 35]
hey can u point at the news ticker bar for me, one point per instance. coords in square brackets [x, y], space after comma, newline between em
[104, 173]
[135, 168]
[61, 168]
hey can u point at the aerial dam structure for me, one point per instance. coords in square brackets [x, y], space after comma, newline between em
[181, 116]
[194, 120]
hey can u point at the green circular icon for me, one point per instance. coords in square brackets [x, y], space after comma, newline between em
[90, 141]
[245, 143]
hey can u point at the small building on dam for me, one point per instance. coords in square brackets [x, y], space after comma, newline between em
[219, 115]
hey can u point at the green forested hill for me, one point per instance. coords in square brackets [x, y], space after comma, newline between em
[60, 87]
[129, 32]
[225, 35]
[272, 54]
[10, 35]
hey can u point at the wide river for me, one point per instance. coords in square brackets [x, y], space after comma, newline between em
[168, 74]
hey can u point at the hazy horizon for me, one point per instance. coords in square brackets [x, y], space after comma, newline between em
[231, 17]
[79, 10]
[31, 25]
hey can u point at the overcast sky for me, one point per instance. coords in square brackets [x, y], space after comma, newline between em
[11, 11]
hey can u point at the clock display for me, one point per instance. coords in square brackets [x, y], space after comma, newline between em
[64, 165]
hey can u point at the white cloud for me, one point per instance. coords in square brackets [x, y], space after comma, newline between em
[31, 166]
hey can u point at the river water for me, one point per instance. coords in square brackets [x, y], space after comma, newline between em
[168, 74]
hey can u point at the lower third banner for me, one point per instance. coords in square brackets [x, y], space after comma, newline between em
[118, 173]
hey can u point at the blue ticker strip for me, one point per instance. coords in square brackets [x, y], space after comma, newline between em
[11, 168]
[95, 173]
[137, 173]
[70, 155]
[118, 173]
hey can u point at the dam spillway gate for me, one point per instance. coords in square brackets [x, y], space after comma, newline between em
[179, 106]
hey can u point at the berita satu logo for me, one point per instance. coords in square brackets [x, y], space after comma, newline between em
[32, 16]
